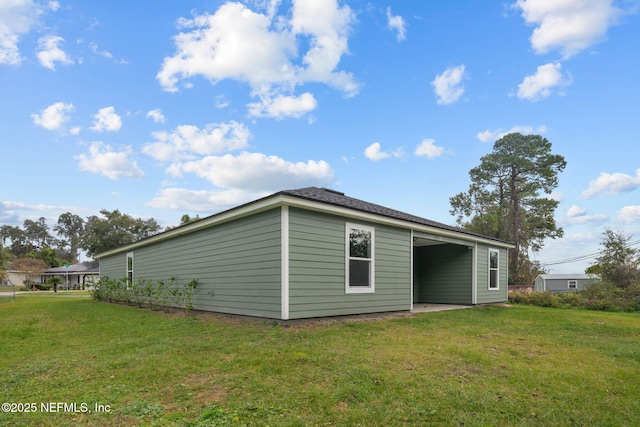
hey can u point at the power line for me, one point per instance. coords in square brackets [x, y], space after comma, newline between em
[583, 257]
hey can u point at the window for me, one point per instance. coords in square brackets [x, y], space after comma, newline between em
[130, 267]
[573, 284]
[494, 262]
[360, 265]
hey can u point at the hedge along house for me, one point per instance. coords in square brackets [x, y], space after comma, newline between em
[315, 252]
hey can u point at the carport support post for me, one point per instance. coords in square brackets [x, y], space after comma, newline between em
[412, 282]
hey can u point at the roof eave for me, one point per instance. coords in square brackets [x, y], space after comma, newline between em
[280, 199]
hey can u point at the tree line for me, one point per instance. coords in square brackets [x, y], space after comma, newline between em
[34, 247]
[62, 243]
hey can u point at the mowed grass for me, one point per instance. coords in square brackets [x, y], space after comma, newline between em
[504, 365]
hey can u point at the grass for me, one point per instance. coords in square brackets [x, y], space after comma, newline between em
[518, 365]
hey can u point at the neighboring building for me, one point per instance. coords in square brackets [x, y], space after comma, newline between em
[75, 276]
[562, 283]
[315, 252]
[13, 278]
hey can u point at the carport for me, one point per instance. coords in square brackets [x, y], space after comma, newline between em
[443, 270]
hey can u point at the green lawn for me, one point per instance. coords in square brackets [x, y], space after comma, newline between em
[517, 365]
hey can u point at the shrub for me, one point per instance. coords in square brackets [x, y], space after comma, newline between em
[154, 294]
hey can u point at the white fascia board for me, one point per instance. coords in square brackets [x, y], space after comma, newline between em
[381, 219]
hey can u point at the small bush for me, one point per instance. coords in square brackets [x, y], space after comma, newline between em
[42, 287]
[154, 294]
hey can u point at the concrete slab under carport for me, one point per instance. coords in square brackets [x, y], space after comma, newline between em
[427, 308]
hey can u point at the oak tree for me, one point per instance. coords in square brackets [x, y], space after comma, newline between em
[115, 229]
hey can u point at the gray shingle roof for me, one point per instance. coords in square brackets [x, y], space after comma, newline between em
[319, 195]
[84, 267]
[337, 198]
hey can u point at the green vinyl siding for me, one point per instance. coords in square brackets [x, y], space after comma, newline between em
[237, 265]
[484, 294]
[317, 268]
[114, 267]
[443, 274]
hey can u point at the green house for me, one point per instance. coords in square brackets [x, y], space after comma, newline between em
[315, 252]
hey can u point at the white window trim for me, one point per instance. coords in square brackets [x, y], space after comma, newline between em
[372, 273]
[497, 288]
[575, 283]
[126, 260]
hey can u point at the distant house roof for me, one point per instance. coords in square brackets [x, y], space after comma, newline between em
[83, 267]
[324, 196]
[568, 276]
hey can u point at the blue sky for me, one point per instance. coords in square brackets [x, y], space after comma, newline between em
[165, 108]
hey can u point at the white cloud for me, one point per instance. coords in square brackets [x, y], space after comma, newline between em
[107, 119]
[428, 149]
[396, 23]
[182, 199]
[49, 53]
[569, 26]
[222, 102]
[102, 160]
[19, 206]
[156, 115]
[448, 85]
[105, 53]
[494, 135]
[54, 116]
[9, 211]
[283, 106]
[374, 153]
[612, 183]
[578, 215]
[326, 26]
[629, 215]
[17, 18]
[187, 140]
[264, 51]
[94, 48]
[575, 211]
[256, 172]
[541, 84]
